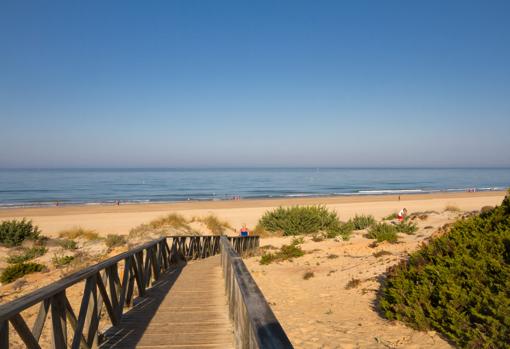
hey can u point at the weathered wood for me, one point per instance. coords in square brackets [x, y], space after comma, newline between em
[255, 324]
[143, 266]
[58, 320]
[4, 334]
[78, 338]
[24, 332]
[41, 319]
[106, 300]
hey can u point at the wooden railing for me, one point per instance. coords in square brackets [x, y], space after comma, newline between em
[104, 289]
[255, 325]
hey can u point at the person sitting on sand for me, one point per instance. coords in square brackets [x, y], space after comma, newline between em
[244, 231]
[402, 214]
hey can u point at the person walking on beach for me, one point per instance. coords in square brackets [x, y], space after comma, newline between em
[402, 214]
[244, 231]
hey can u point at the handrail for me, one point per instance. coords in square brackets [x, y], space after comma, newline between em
[104, 287]
[255, 325]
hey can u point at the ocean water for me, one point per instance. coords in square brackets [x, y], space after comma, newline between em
[102, 186]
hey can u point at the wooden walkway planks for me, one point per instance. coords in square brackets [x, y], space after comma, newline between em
[187, 309]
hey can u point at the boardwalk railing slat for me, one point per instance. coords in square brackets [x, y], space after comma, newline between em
[141, 268]
[255, 325]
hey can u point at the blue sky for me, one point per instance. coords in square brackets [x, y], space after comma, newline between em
[259, 83]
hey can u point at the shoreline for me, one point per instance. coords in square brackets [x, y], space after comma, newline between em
[88, 208]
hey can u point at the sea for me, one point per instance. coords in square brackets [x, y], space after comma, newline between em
[47, 187]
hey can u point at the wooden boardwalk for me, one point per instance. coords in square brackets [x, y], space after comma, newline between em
[186, 309]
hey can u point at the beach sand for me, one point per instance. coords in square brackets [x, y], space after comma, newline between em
[106, 219]
[319, 312]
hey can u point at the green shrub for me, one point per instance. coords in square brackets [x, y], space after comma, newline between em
[112, 240]
[458, 284]
[16, 271]
[14, 232]
[408, 228]
[362, 221]
[340, 229]
[383, 232]
[390, 217]
[299, 220]
[27, 255]
[286, 252]
[61, 260]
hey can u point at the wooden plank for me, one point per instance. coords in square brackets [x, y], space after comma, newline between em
[106, 300]
[123, 287]
[41, 319]
[24, 332]
[4, 334]
[112, 283]
[80, 323]
[18, 305]
[58, 320]
[250, 307]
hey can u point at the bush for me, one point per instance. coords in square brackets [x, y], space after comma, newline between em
[61, 260]
[299, 220]
[458, 284]
[16, 271]
[27, 255]
[406, 228]
[14, 232]
[390, 217]
[340, 229]
[286, 252]
[362, 221]
[114, 240]
[383, 232]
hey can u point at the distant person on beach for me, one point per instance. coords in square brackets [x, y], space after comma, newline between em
[244, 231]
[402, 214]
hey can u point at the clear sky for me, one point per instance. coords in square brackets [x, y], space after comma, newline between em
[254, 83]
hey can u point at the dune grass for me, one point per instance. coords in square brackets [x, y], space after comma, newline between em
[172, 220]
[286, 252]
[113, 240]
[79, 233]
[408, 228]
[214, 224]
[451, 208]
[383, 232]
[360, 222]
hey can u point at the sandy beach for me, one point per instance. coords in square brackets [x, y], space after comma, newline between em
[106, 219]
[317, 312]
